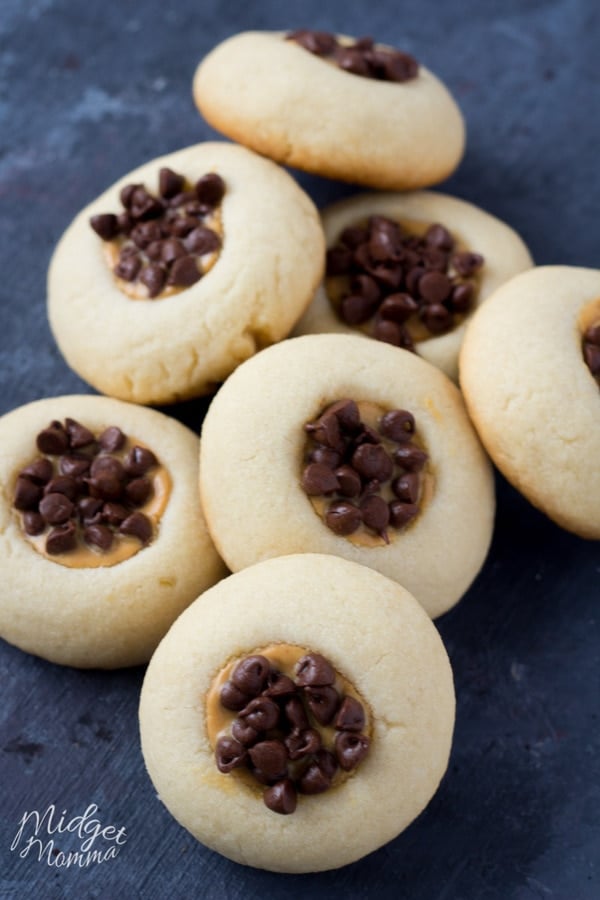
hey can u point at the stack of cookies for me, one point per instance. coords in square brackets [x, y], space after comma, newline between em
[341, 476]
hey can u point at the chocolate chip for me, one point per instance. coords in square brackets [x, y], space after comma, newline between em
[89, 509]
[107, 465]
[352, 60]
[349, 483]
[389, 332]
[210, 189]
[438, 236]
[184, 271]
[398, 425]
[98, 536]
[105, 486]
[372, 461]
[398, 307]
[143, 205]
[313, 780]
[343, 517]
[33, 522]
[138, 491]
[53, 440]
[356, 309]
[281, 797]
[375, 513]
[154, 277]
[296, 714]
[128, 268]
[400, 67]
[406, 488]
[435, 287]
[74, 466]
[338, 261]
[250, 674]
[467, 263]
[592, 334]
[171, 249]
[139, 460]
[202, 240]
[113, 513]
[410, 458]
[181, 226]
[591, 354]
[354, 236]
[437, 318]
[145, 233]
[314, 670]
[232, 698]
[279, 685]
[126, 194]
[261, 714]
[56, 508]
[230, 754]
[326, 456]
[461, 298]
[39, 471]
[322, 702]
[182, 199]
[319, 479]
[27, 494]
[62, 484]
[303, 743]
[169, 183]
[243, 733]
[61, 539]
[350, 749]
[350, 716]
[385, 243]
[105, 225]
[321, 43]
[270, 757]
[326, 431]
[402, 513]
[125, 223]
[347, 414]
[327, 762]
[112, 439]
[137, 525]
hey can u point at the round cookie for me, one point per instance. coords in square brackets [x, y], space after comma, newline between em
[254, 452]
[168, 348]
[532, 393]
[373, 632]
[82, 607]
[473, 230]
[302, 110]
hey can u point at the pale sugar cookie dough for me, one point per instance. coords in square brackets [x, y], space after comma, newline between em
[303, 109]
[474, 251]
[149, 327]
[407, 490]
[382, 649]
[102, 539]
[530, 374]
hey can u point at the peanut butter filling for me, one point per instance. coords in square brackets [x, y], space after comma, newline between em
[366, 472]
[304, 741]
[401, 281]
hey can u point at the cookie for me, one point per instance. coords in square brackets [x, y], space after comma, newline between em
[300, 100]
[336, 444]
[409, 269]
[102, 539]
[530, 373]
[181, 270]
[367, 672]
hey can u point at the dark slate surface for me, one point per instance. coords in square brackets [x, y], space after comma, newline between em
[89, 91]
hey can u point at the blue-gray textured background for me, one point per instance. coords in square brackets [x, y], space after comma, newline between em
[89, 90]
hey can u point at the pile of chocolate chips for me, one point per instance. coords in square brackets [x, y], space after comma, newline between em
[591, 349]
[393, 276]
[164, 237]
[362, 57]
[273, 738]
[86, 493]
[348, 461]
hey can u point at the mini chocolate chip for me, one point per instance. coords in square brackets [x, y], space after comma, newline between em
[33, 522]
[138, 525]
[61, 539]
[62, 484]
[89, 510]
[53, 440]
[351, 60]
[349, 483]
[27, 494]
[406, 487]
[461, 298]
[326, 456]
[323, 703]
[146, 233]
[402, 513]
[372, 461]
[413, 278]
[169, 183]
[356, 309]
[389, 332]
[591, 335]
[591, 354]
[279, 685]
[202, 240]
[143, 205]
[435, 260]
[125, 223]
[105, 486]
[105, 225]
[385, 243]
[230, 754]
[270, 757]
[350, 716]
[181, 226]
[74, 466]
[184, 271]
[296, 714]
[56, 508]
[321, 43]
[171, 249]
[250, 674]
[435, 287]
[327, 762]
[114, 513]
[375, 513]
[303, 743]
[366, 287]
[343, 517]
[313, 780]
[39, 471]
[138, 491]
[112, 439]
[154, 251]
[326, 431]
[467, 263]
[139, 460]
[128, 268]
[438, 236]
[243, 733]
[98, 536]
[154, 277]
[338, 261]
[126, 194]
[281, 797]
[318, 479]
[410, 458]
[232, 698]
[261, 713]
[367, 435]
[210, 189]
[314, 670]
[389, 276]
[398, 425]
[347, 414]
[400, 67]
[354, 236]
[350, 749]
[398, 307]
[437, 318]
[182, 198]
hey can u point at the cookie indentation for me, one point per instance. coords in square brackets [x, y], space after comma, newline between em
[365, 470]
[361, 57]
[90, 500]
[286, 721]
[400, 282]
[161, 244]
